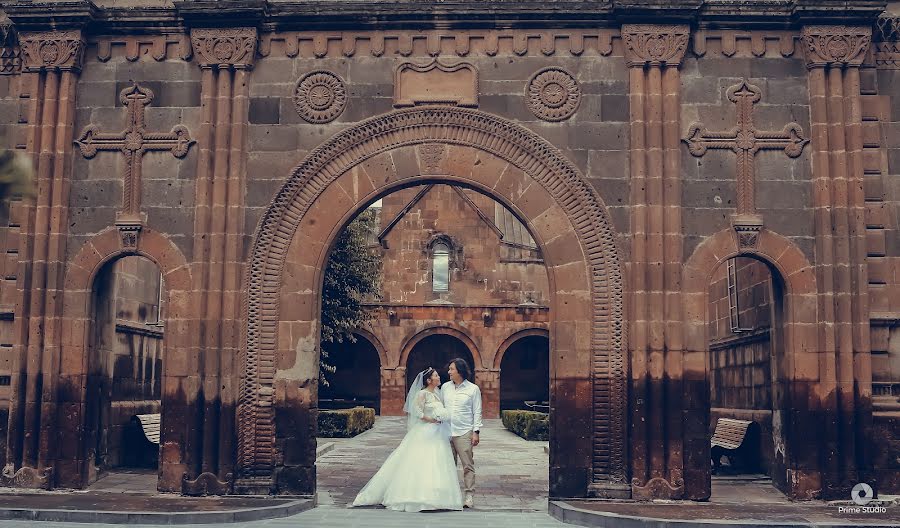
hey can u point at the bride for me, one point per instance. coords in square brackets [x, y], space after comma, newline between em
[420, 474]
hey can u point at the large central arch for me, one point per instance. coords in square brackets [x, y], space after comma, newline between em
[489, 154]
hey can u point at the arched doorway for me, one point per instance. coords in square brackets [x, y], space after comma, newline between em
[797, 454]
[746, 313]
[125, 371]
[436, 350]
[486, 153]
[525, 374]
[356, 379]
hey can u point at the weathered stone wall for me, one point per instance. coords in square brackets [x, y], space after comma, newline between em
[168, 183]
[482, 269]
[783, 186]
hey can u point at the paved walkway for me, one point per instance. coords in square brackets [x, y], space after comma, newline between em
[511, 473]
[340, 517]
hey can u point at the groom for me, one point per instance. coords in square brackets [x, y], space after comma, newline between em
[463, 399]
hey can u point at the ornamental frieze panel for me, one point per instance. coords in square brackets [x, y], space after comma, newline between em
[553, 94]
[135, 47]
[436, 82]
[320, 97]
[887, 42]
[654, 44]
[460, 43]
[234, 48]
[744, 44]
[836, 45]
[52, 50]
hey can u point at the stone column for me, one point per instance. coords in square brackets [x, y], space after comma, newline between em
[653, 54]
[488, 380]
[843, 396]
[51, 63]
[226, 58]
[393, 391]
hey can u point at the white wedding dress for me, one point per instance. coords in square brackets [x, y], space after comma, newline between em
[421, 473]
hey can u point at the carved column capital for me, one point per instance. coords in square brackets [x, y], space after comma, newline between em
[835, 45]
[52, 50]
[225, 48]
[654, 45]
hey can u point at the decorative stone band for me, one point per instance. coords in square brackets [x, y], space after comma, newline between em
[654, 45]
[52, 50]
[225, 48]
[835, 45]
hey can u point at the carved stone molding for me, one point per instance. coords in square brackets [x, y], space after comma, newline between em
[836, 45]
[735, 43]
[746, 228]
[10, 52]
[654, 45]
[887, 42]
[134, 142]
[459, 43]
[224, 48]
[320, 97]
[553, 94]
[436, 83]
[430, 156]
[52, 50]
[745, 141]
[26, 477]
[657, 488]
[206, 484]
[159, 47]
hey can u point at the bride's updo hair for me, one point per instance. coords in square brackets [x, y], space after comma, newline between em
[426, 376]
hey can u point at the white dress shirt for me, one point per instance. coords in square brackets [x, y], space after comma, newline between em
[464, 403]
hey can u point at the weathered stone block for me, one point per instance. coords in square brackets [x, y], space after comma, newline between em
[264, 110]
[273, 138]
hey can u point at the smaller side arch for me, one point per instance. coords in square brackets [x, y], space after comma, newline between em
[504, 346]
[373, 339]
[445, 328]
[80, 274]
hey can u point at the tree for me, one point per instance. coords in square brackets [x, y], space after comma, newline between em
[352, 277]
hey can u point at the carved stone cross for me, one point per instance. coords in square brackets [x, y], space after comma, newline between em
[133, 142]
[745, 141]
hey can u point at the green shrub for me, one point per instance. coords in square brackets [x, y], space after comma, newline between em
[530, 425]
[345, 423]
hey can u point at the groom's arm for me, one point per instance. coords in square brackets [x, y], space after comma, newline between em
[476, 411]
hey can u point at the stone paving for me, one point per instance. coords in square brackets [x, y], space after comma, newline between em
[511, 473]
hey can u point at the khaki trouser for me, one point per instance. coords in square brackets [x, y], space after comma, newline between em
[462, 449]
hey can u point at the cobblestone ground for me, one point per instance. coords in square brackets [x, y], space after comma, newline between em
[511, 473]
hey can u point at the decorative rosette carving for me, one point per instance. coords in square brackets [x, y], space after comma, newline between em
[654, 44]
[54, 50]
[320, 97]
[553, 94]
[224, 47]
[836, 45]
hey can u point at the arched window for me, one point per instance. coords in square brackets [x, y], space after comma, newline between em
[440, 267]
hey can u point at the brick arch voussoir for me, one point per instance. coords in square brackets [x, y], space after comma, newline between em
[444, 328]
[537, 158]
[508, 342]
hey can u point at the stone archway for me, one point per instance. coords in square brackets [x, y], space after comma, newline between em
[798, 366]
[491, 155]
[79, 281]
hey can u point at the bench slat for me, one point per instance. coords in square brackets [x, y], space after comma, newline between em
[150, 426]
[730, 433]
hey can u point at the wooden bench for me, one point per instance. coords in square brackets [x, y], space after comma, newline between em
[728, 439]
[149, 424]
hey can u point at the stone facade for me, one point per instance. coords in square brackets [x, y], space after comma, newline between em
[642, 146]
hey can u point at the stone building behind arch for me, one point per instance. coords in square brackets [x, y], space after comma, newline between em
[642, 143]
